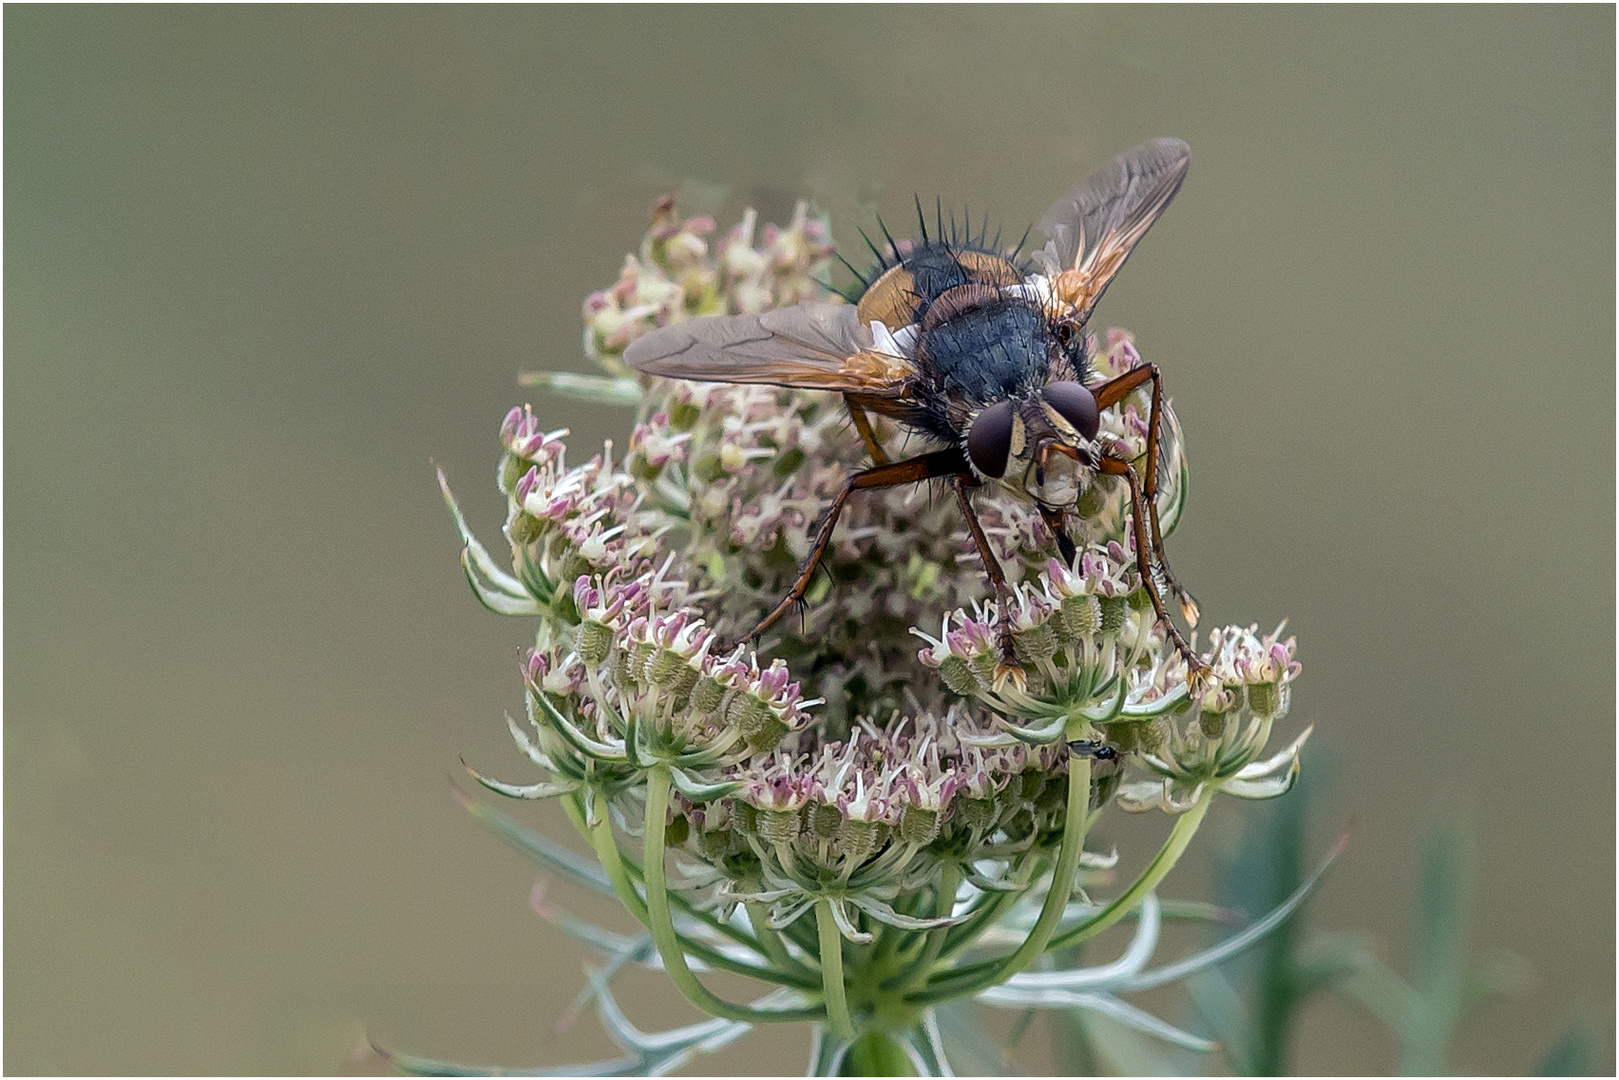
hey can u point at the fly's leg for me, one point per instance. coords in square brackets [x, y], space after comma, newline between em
[1008, 668]
[1198, 673]
[910, 471]
[862, 424]
[1111, 393]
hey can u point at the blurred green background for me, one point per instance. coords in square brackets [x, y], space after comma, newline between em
[264, 265]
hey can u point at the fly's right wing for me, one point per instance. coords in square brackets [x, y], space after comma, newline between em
[811, 346]
[1096, 225]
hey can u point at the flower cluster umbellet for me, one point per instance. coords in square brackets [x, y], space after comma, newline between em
[854, 811]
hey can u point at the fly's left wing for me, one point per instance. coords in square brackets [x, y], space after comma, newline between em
[811, 346]
[1096, 225]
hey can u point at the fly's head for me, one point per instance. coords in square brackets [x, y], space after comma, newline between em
[1041, 445]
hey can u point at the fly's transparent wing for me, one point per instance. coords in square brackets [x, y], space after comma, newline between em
[813, 346]
[1095, 226]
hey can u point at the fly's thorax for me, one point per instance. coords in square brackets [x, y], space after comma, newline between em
[984, 345]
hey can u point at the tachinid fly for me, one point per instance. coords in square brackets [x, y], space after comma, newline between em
[979, 354]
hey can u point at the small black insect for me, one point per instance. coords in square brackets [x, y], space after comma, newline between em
[959, 344]
[1092, 749]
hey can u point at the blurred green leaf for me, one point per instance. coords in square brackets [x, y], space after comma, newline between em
[972, 1051]
[1570, 1056]
[605, 389]
[1252, 1003]
[1445, 986]
[1119, 1049]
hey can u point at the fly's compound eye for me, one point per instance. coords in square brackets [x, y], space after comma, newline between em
[1074, 404]
[989, 441]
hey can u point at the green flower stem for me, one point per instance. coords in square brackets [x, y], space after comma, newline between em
[986, 914]
[685, 907]
[1186, 826]
[876, 1053]
[771, 944]
[837, 1004]
[972, 980]
[890, 940]
[944, 902]
[662, 926]
[623, 874]
[601, 839]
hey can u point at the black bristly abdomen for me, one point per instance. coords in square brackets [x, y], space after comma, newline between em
[936, 268]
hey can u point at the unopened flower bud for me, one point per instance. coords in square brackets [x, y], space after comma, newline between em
[706, 695]
[594, 642]
[919, 826]
[768, 735]
[823, 820]
[1081, 615]
[665, 668]
[716, 844]
[683, 415]
[1113, 613]
[524, 529]
[983, 666]
[958, 676]
[512, 469]
[1035, 644]
[777, 826]
[680, 685]
[1028, 785]
[641, 655]
[1125, 737]
[978, 813]
[623, 675]
[856, 839]
[747, 714]
[1264, 699]
[1092, 499]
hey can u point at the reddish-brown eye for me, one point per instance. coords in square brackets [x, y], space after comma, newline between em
[1076, 405]
[989, 441]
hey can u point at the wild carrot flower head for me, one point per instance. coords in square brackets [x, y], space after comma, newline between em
[858, 810]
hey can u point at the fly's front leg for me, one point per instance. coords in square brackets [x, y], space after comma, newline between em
[910, 471]
[1111, 393]
[1198, 673]
[1008, 668]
